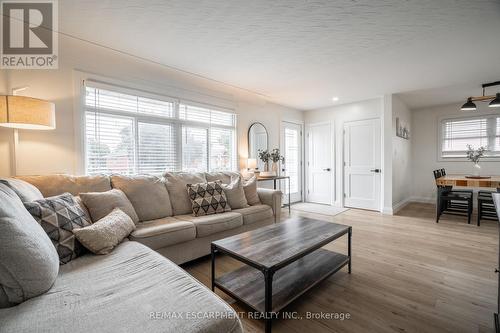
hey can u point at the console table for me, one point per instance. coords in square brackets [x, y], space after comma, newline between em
[275, 179]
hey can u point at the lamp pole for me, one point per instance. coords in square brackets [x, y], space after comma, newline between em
[15, 143]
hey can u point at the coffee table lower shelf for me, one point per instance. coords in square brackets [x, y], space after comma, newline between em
[247, 284]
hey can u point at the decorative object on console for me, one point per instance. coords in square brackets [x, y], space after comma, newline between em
[475, 156]
[20, 112]
[252, 164]
[265, 156]
[208, 198]
[104, 235]
[493, 99]
[276, 157]
[59, 216]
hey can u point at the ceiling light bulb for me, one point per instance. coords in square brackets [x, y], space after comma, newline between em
[496, 102]
[335, 99]
[469, 106]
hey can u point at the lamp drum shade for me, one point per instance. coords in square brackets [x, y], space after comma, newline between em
[27, 113]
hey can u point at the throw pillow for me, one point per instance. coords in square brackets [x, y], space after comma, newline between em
[148, 195]
[176, 185]
[100, 204]
[250, 188]
[58, 216]
[235, 193]
[24, 190]
[102, 236]
[207, 198]
[28, 261]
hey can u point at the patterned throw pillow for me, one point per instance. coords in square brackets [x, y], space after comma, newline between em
[207, 198]
[58, 216]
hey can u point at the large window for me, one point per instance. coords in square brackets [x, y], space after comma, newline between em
[457, 133]
[130, 133]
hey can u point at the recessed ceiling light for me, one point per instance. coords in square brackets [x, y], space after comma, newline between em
[335, 99]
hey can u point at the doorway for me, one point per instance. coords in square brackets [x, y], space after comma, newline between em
[362, 160]
[292, 151]
[320, 164]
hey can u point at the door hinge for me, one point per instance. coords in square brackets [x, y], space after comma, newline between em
[345, 195]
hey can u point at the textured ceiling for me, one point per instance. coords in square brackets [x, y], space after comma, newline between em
[300, 53]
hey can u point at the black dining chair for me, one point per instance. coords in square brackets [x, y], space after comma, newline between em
[450, 201]
[486, 207]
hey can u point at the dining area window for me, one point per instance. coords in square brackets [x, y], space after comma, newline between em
[457, 133]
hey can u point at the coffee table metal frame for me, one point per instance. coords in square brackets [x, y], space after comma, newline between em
[268, 272]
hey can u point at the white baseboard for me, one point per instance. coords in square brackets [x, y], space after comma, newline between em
[430, 200]
[398, 206]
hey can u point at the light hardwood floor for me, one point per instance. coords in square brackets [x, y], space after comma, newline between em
[409, 275]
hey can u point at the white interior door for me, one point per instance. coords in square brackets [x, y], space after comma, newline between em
[320, 163]
[292, 151]
[362, 174]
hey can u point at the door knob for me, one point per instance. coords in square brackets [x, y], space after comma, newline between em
[375, 170]
[327, 169]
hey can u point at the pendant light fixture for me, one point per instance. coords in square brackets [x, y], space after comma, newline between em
[496, 102]
[494, 99]
[469, 105]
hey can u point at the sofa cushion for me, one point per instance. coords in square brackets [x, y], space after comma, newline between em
[235, 193]
[207, 198]
[52, 185]
[28, 261]
[148, 195]
[132, 289]
[163, 232]
[26, 191]
[212, 224]
[100, 204]
[250, 188]
[255, 213]
[176, 185]
[102, 236]
[59, 216]
[224, 176]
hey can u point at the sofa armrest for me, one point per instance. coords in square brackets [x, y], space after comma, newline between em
[271, 198]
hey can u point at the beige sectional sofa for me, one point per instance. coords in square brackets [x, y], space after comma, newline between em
[132, 289]
[166, 223]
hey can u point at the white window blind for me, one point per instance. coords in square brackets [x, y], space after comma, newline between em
[456, 134]
[129, 133]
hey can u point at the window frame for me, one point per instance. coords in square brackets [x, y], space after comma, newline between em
[80, 122]
[440, 122]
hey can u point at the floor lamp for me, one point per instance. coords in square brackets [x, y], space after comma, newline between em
[20, 112]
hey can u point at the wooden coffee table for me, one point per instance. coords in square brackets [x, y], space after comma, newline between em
[283, 261]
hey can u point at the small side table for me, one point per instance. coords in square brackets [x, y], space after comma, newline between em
[275, 179]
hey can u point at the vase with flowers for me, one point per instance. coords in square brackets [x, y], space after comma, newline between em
[276, 158]
[265, 156]
[475, 155]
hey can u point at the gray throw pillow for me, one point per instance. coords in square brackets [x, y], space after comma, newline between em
[24, 190]
[100, 204]
[176, 185]
[29, 263]
[59, 216]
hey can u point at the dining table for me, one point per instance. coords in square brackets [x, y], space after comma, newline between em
[468, 181]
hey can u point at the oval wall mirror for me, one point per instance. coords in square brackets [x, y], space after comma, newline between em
[257, 140]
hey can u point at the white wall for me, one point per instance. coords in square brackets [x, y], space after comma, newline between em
[337, 115]
[401, 156]
[54, 151]
[425, 149]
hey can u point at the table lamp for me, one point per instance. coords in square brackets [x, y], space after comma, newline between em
[251, 164]
[20, 112]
